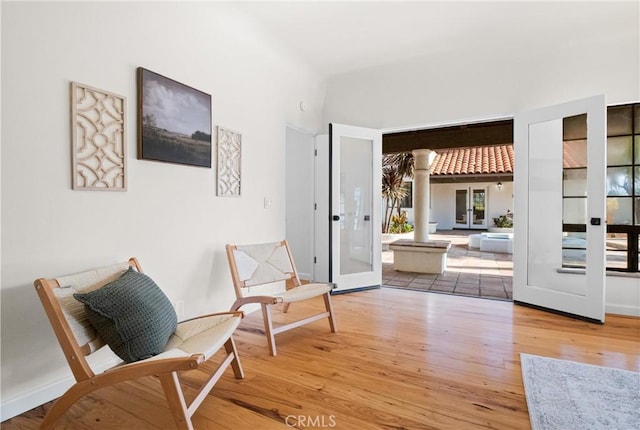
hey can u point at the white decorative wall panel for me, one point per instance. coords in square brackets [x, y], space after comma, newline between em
[229, 151]
[98, 139]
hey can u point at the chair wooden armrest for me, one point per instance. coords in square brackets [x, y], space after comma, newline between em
[234, 313]
[266, 300]
[152, 367]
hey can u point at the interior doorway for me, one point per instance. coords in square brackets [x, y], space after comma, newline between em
[471, 183]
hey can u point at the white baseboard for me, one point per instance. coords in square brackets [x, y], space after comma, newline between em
[632, 311]
[27, 401]
[305, 275]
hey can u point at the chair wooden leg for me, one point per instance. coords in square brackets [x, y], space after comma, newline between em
[285, 307]
[230, 347]
[329, 307]
[268, 329]
[175, 398]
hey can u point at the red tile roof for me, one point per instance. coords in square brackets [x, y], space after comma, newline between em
[473, 161]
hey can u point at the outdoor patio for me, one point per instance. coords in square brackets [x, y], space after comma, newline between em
[470, 272]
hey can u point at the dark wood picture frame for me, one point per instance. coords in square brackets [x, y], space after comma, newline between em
[174, 121]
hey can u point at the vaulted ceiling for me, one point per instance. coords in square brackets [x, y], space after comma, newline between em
[336, 37]
[351, 37]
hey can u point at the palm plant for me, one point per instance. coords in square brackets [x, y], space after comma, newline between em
[392, 192]
[402, 160]
[395, 167]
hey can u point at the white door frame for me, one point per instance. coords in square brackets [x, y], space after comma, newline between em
[366, 278]
[299, 198]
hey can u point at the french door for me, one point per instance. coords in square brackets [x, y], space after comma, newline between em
[551, 216]
[355, 201]
[470, 207]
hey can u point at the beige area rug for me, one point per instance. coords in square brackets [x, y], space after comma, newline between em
[565, 395]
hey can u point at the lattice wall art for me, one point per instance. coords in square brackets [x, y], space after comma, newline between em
[98, 139]
[229, 151]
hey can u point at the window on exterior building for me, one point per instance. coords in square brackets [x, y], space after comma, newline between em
[407, 202]
[622, 188]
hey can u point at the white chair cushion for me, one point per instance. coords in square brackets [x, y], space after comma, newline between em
[303, 292]
[203, 335]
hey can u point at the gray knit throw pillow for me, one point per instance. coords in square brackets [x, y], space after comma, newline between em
[132, 315]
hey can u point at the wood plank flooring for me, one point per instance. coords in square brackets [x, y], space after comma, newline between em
[401, 360]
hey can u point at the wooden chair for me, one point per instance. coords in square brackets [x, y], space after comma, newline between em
[259, 264]
[194, 342]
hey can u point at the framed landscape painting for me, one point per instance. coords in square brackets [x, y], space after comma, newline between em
[174, 121]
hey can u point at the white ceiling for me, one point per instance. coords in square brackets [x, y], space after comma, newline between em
[340, 37]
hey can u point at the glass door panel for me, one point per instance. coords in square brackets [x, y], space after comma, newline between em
[617, 250]
[620, 210]
[462, 207]
[479, 201]
[355, 211]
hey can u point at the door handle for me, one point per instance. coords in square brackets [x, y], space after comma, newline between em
[367, 217]
[336, 217]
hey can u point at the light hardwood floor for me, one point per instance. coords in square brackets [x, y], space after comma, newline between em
[400, 360]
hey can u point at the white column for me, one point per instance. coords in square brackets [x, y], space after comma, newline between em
[421, 194]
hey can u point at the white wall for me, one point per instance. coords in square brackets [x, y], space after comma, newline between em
[170, 218]
[599, 53]
[443, 202]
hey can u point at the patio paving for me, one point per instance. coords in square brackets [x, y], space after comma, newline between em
[470, 272]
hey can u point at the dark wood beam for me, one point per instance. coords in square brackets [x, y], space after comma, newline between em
[460, 136]
[463, 179]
